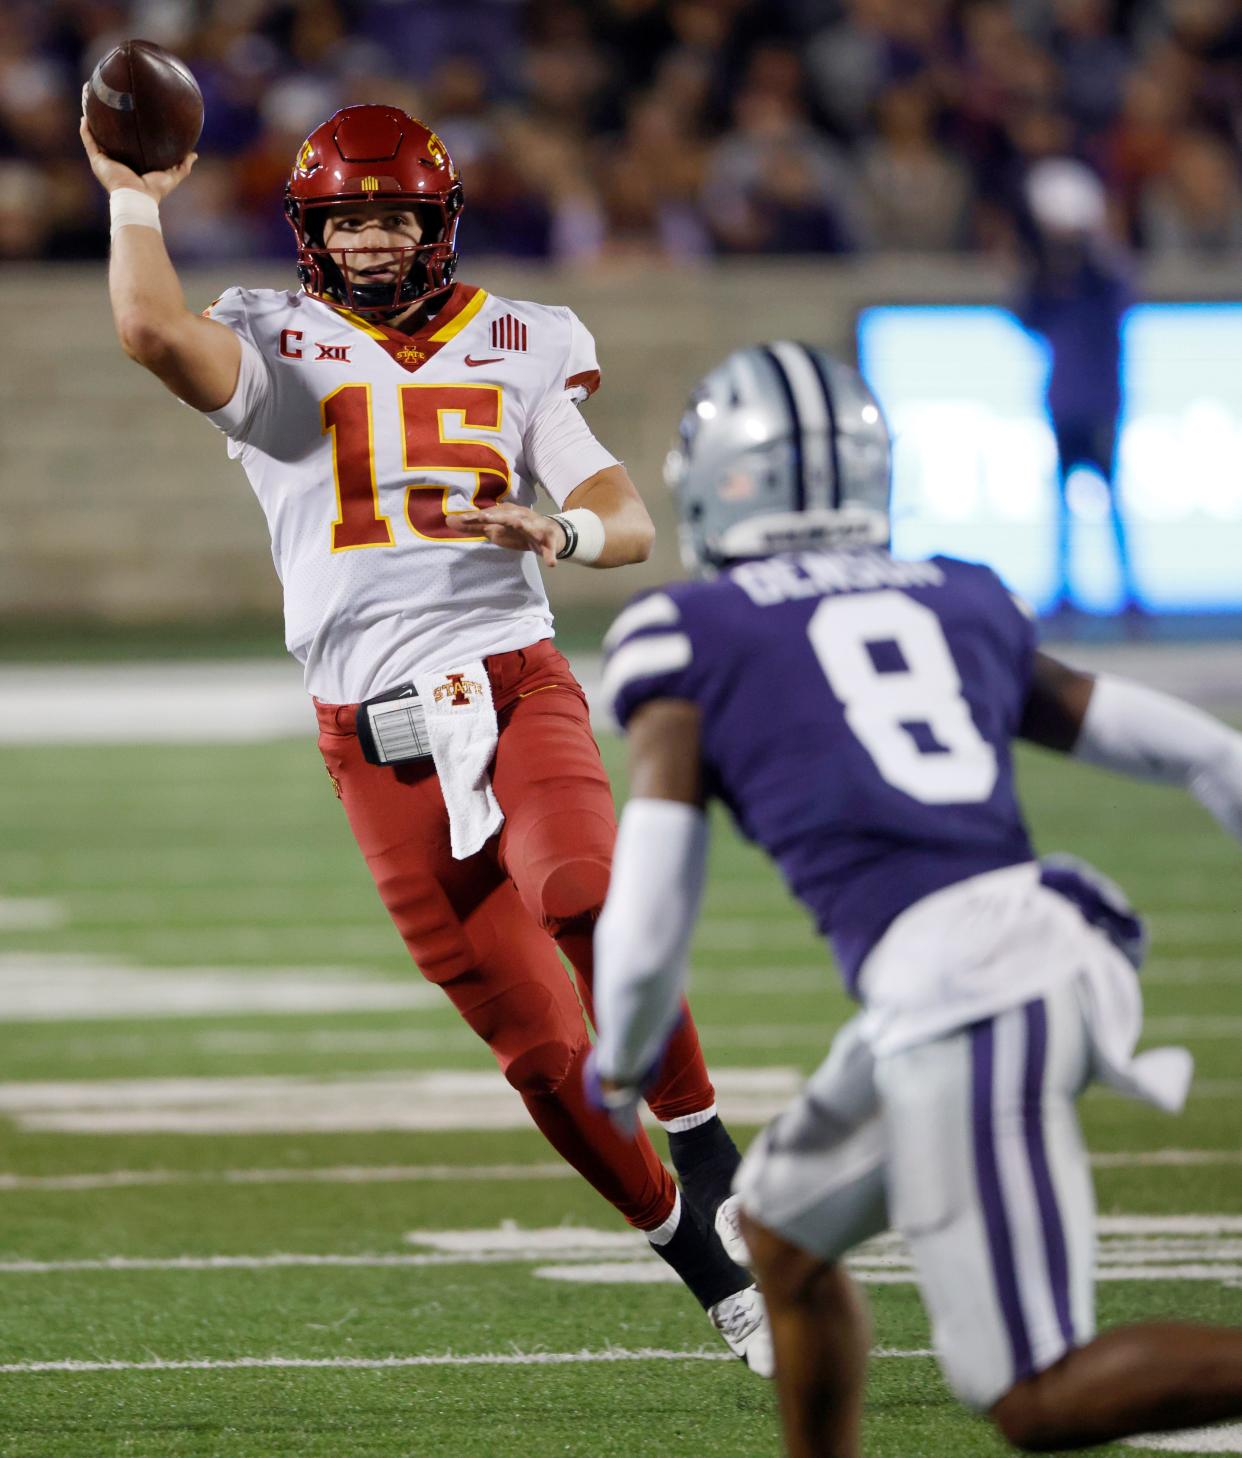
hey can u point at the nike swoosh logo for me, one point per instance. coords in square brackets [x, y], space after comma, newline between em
[475, 362]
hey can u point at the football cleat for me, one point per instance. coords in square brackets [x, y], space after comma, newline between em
[729, 1229]
[742, 1319]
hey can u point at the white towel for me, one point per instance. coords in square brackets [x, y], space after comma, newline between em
[461, 724]
[1113, 1003]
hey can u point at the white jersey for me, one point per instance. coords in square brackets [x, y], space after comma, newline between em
[361, 443]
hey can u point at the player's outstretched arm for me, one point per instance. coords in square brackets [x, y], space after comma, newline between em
[198, 359]
[642, 939]
[1137, 731]
[608, 524]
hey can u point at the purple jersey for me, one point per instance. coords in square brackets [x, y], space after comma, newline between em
[857, 714]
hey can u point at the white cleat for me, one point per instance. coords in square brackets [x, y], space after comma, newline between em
[742, 1319]
[729, 1229]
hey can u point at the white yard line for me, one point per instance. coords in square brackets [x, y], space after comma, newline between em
[278, 1262]
[434, 1100]
[1225, 1439]
[390, 1174]
[1166, 1158]
[417, 1102]
[30, 913]
[1169, 1225]
[640, 1271]
[1192, 1025]
[445, 1359]
[610, 1273]
[148, 703]
[241, 700]
[1216, 1088]
[1205, 924]
[332, 1040]
[1170, 971]
[42, 987]
[264, 699]
[246, 1042]
[1131, 1248]
[643, 1273]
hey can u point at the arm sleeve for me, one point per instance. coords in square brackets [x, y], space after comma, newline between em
[1153, 736]
[649, 656]
[245, 416]
[642, 939]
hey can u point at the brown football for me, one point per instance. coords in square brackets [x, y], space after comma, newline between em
[144, 107]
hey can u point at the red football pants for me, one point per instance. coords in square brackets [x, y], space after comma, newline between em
[486, 929]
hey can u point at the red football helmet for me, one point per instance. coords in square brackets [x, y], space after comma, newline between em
[381, 154]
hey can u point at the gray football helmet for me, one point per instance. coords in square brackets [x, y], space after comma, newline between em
[782, 448]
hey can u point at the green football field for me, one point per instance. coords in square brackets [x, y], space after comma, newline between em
[264, 1195]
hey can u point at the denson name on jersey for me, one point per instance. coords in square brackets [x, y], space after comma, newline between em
[361, 441]
[857, 713]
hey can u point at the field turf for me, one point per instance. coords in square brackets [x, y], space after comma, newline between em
[195, 1260]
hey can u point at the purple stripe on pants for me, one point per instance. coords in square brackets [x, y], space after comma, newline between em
[987, 1173]
[1033, 1127]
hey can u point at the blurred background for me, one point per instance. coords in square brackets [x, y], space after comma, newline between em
[1022, 217]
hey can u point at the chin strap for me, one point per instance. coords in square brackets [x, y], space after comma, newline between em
[378, 296]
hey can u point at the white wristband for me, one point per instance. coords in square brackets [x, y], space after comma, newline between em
[131, 208]
[584, 535]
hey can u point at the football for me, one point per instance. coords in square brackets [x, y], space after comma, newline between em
[144, 107]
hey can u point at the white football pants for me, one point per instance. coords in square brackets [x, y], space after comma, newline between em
[969, 1146]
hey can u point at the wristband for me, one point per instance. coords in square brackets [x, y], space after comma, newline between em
[131, 208]
[584, 535]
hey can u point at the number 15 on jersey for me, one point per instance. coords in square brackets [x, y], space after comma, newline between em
[429, 415]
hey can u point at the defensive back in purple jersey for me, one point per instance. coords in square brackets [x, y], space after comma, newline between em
[857, 717]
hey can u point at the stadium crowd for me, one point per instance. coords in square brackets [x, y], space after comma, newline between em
[589, 130]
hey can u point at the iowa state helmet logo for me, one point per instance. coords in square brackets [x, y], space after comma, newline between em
[438, 153]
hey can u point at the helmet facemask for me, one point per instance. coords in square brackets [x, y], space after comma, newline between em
[424, 269]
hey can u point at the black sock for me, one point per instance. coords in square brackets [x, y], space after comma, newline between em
[696, 1254]
[706, 1159]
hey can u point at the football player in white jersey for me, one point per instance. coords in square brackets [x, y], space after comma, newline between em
[393, 423]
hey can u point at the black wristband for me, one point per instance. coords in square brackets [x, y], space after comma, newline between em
[571, 538]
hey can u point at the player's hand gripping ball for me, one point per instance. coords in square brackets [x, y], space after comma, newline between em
[143, 107]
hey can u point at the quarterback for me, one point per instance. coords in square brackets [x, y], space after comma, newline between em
[393, 423]
[994, 986]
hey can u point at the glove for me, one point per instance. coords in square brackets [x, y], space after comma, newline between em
[619, 1101]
